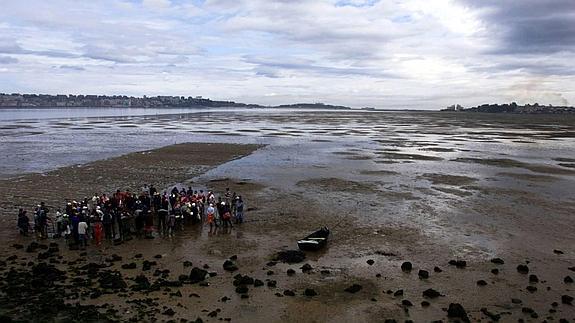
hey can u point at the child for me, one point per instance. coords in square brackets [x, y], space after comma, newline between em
[171, 223]
[82, 230]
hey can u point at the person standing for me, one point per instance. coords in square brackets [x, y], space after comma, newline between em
[82, 231]
[239, 209]
[23, 222]
[210, 212]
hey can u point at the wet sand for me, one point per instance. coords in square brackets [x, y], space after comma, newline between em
[361, 251]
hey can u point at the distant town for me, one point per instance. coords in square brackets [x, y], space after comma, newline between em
[17, 100]
[514, 108]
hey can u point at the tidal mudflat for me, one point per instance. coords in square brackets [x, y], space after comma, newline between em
[481, 206]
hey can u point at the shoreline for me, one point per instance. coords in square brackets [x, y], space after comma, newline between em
[357, 254]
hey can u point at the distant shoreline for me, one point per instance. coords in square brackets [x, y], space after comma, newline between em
[513, 108]
[31, 101]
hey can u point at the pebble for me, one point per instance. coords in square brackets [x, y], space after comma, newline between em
[497, 261]
[370, 262]
[431, 293]
[522, 269]
[531, 289]
[309, 292]
[423, 274]
[495, 271]
[481, 282]
[399, 292]
[568, 280]
[458, 263]
[566, 299]
[406, 266]
[354, 288]
[437, 269]
[407, 303]
[456, 310]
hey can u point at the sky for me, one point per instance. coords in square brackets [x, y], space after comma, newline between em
[394, 54]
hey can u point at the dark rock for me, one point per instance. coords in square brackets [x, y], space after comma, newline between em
[495, 271]
[481, 282]
[431, 293]
[169, 312]
[558, 252]
[437, 269]
[406, 266]
[176, 294]
[158, 256]
[138, 255]
[566, 299]
[188, 263]
[290, 256]
[531, 289]
[370, 262]
[271, 263]
[492, 316]
[568, 280]
[183, 278]
[258, 283]
[523, 269]
[111, 280]
[455, 310]
[423, 274]
[197, 275]
[230, 266]
[147, 265]
[242, 289]
[194, 295]
[458, 263]
[398, 293]
[378, 275]
[533, 278]
[225, 299]
[290, 272]
[243, 280]
[516, 301]
[213, 274]
[270, 272]
[244, 296]
[114, 258]
[406, 302]
[354, 288]
[425, 304]
[306, 268]
[309, 292]
[272, 283]
[571, 268]
[527, 310]
[131, 265]
[206, 266]
[497, 261]
[213, 314]
[142, 283]
[234, 258]
[288, 292]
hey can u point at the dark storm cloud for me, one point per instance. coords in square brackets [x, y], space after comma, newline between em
[528, 26]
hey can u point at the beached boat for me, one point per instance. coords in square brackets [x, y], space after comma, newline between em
[314, 241]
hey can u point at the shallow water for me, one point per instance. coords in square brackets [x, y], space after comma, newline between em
[382, 167]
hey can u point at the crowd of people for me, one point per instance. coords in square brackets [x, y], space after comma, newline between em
[124, 214]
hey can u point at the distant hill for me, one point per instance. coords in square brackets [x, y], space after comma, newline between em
[17, 100]
[514, 108]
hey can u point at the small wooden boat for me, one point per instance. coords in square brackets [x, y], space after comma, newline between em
[314, 241]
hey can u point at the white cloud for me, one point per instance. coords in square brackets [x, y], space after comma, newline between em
[411, 53]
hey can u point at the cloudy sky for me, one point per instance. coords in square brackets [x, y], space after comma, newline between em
[386, 54]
